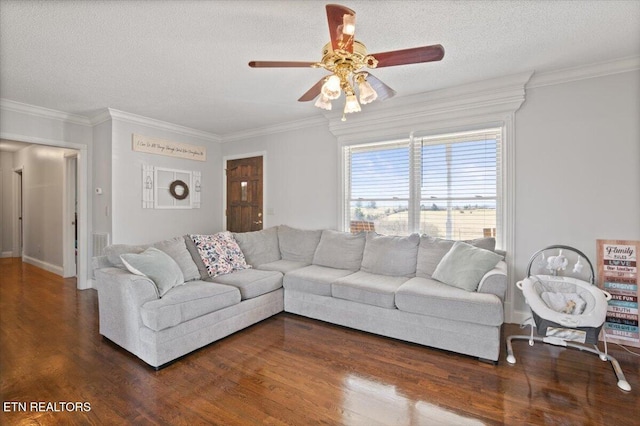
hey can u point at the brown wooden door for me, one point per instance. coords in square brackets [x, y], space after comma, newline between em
[244, 194]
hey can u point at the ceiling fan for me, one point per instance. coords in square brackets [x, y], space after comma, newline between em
[346, 58]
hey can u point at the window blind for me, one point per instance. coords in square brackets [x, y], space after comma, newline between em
[446, 185]
[460, 174]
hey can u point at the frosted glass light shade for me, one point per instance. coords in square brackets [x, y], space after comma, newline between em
[367, 94]
[351, 105]
[331, 87]
[323, 102]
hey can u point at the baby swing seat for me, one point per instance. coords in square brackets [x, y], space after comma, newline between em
[565, 310]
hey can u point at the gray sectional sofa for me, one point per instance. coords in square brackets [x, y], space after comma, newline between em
[439, 293]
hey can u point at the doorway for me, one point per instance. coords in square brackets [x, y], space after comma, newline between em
[18, 233]
[244, 194]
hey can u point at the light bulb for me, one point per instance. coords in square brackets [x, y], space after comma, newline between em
[331, 87]
[367, 94]
[348, 24]
[352, 104]
[323, 102]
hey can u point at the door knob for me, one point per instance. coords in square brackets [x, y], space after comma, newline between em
[258, 222]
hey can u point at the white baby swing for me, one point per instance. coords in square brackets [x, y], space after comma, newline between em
[567, 310]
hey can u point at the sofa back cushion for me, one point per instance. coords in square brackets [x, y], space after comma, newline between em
[432, 250]
[390, 255]
[340, 250]
[298, 245]
[174, 247]
[259, 247]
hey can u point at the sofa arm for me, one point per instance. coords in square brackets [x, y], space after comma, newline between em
[495, 281]
[120, 297]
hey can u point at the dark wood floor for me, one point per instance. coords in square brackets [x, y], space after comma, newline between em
[285, 370]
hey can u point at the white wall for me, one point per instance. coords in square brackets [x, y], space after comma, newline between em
[301, 176]
[131, 224]
[578, 165]
[577, 169]
[42, 192]
[6, 204]
[101, 175]
[26, 123]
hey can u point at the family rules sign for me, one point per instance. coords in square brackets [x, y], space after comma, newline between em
[172, 149]
[618, 275]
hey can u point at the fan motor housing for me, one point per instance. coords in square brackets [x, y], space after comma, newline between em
[356, 60]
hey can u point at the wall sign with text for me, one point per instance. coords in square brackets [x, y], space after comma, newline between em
[618, 274]
[171, 149]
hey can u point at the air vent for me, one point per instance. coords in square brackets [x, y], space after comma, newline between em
[100, 241]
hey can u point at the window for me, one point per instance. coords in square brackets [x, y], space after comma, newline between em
[447, 186]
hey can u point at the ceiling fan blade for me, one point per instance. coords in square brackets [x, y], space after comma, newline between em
[341, 32]
[410, 56]
[384, 92]
[312, 93]
[280, 64]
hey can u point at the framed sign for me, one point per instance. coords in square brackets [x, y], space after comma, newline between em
[618, 275]
[171, 149]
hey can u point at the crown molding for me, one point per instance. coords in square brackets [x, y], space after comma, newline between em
[38, 111]
[583, 72]
[276, 128]
[158, 124]
[465, 105]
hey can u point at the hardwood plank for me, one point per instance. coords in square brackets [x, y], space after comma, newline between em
[286, 370]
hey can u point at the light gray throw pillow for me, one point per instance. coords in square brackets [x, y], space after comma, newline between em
[390, 255]
[432, 250]
[177, 249]
[465, 265]
[340, 250]
[155, 265]
[298, 245]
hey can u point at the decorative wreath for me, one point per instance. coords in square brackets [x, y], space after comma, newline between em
[179, 184]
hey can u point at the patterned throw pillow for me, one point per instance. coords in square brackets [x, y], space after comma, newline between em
[220, 253]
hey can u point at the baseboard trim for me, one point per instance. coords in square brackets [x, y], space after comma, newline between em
[7, 254]
[55, 269]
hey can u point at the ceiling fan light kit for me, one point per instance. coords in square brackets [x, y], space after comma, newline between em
[344, 57]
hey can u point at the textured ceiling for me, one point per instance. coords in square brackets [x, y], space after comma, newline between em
[185, 62]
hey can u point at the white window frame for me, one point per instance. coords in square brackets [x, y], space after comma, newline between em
[415, 144]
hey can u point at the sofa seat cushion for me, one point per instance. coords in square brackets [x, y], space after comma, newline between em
[186, 302]
[314, 279]
[427, 296]
[251, 282]
[282, 265]
[371, 289]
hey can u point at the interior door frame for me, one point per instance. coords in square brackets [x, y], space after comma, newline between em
[18, 212]
[70, 185]
[262, 154]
